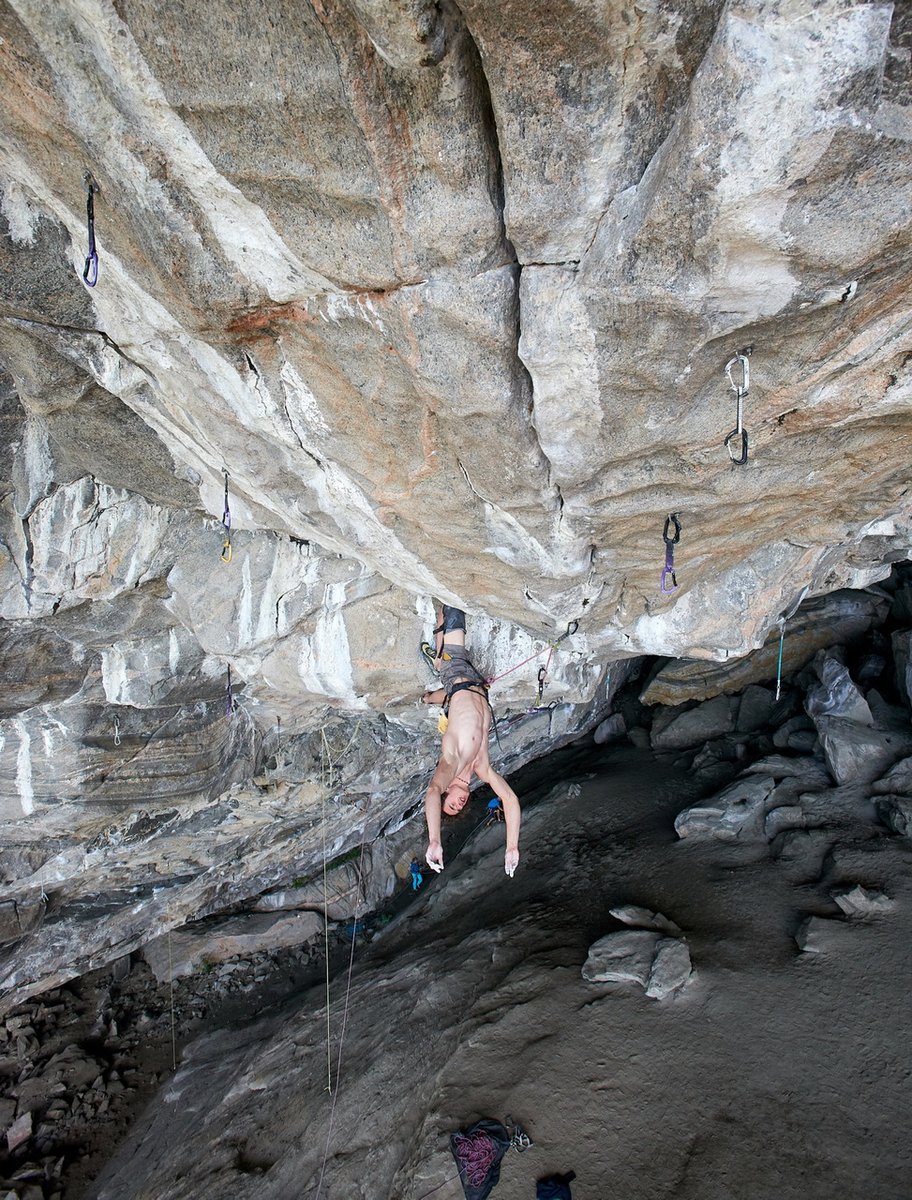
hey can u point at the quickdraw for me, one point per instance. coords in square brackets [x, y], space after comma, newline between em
[230, 702]
[786, 616]
[736, 442]
[117, 738]
[670, 543]
[542, 679]
[226, 554]
[90, 270]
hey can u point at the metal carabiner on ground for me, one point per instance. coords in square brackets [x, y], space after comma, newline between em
[736, 443]
[90, 270]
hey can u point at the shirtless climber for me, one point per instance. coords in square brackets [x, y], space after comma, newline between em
[464, 748]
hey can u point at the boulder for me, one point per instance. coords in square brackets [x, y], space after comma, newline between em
[856, 753]
[660, 965]
[837, 695]
[671, 969]
[817, 935]
[896, 813]
[860, 903]
[612, 729]
[644, 918]
[737, 814]
[621, 957]
[683, 731]
[902, 661]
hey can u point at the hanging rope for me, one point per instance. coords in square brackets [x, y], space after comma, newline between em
[226, 521]
[171, 978]
[736, 442]
[786, 616]
[670, 543]
[351, 963]
[90, 270]
[324, 755]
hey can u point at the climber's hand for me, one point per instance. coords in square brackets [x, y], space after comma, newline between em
[511, 861]
[434, 856]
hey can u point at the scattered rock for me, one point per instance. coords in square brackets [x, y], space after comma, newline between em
[20, 1131]
[644, 918]
[621, 958]
[896, 814]
[683, 731]
[737, 814]
[837, 695]
[660, 965]
[795, 725]
[858, 902]
[671, 969]
[817, 935]
[856, 753]
[612, 729]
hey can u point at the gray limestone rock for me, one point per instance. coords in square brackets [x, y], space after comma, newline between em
[612, 729]
[860, 903]
[800, 724]
[621, 957]
[837, 695]
[681, 731]
[896, 813]
[819, 935]
[755, 708]
[671, 969]
[644, 918]
[737, 814]
[856, 753]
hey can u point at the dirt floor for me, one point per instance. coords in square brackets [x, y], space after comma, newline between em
[775, 1072]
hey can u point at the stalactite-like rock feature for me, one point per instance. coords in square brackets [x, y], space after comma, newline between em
[446, 292]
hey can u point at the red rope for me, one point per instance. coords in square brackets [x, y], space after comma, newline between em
[476, 1154]
[531, 658]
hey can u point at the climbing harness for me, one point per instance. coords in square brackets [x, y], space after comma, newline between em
[226, 521]
[230, 702]
[117, 737]
[670, 543]
[736, 442]
[90, 270]
[786, 616]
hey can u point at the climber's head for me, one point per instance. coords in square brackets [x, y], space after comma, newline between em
[455, 798]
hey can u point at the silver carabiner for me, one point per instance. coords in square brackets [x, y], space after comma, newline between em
[117, 738]
[736, 442]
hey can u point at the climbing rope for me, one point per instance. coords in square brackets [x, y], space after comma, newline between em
[226, 521]
[351, 963]
[736, 442]
[90, 270]
[171, 979]
[551, 647]
[476, 1154]
[786, 616]
[670, 543]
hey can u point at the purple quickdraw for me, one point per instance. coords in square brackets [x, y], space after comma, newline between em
[230, 704]
[670, 543]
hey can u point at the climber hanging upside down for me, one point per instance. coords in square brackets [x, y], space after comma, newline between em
[464, 749]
